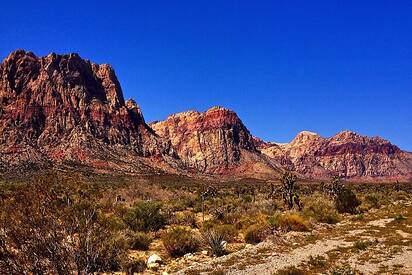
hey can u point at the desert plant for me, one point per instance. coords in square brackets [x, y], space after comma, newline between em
[291, 270]
[134, 266]
[290, 197]
[179, 241]
[139, 240]
[373, 200]
[145, 216]
[291, 222]
[321, 210]
[215, 241]
[347, 202]
[256, 233]
[318, 261]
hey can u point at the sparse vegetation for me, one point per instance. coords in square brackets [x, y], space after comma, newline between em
[139, 240]
[125, 224]
[256, 233]
[291, 221]
[215, 241]
[179, 241]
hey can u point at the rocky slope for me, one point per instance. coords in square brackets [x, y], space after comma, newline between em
[215, 141]
[347, 154]
[62, 107]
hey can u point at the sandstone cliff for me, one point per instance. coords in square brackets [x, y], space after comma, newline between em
[62, 107]
[214, 141]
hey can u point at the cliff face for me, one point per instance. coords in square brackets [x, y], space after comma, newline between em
[58, 105]
[347, 154]
[209, 141]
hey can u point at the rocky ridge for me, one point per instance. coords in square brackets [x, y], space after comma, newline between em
[347, 154]
[62, 107]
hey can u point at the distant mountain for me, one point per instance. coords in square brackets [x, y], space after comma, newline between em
[62, 110]
[347, 154]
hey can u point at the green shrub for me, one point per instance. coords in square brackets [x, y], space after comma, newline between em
[185, 218]
[228, 231]
[179, 241]
[373, 200]
[291, 222]
[322, 210]
[347, 202]
[139, 241]
[145, 216]
[256, 233]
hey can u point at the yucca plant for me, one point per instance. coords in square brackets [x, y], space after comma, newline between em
[216, 241]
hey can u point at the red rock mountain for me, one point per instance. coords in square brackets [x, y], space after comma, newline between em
[347, 154]
[215, 141]
[62, 107]
[63, 110]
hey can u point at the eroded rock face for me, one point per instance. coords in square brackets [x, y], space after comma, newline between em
[347, 154]
[58, 105]
[207, 141]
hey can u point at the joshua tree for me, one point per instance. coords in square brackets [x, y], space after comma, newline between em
[290, 197]
[335, 188]
[209, 192]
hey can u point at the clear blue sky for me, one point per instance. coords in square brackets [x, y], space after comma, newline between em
[283, 66]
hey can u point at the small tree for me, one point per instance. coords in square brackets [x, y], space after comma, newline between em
[290, 197]
[344, 198]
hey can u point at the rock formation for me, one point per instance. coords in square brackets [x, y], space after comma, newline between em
[61, 107]
[213, 141]
[346, 154]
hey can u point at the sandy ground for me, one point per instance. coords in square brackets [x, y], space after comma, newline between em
[375, 244]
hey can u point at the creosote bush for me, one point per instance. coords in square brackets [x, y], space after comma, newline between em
[291, 221]
[179, 241]
[145, 216]
[139, 240]
[322, 210]
[347, 202]
[256, 233]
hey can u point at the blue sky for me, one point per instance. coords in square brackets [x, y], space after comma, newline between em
[283, 66]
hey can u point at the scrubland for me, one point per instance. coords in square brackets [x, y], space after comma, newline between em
[63, 223]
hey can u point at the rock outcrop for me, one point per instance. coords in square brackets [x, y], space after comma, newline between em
[61, 107]
[215, 141]
[347, 154]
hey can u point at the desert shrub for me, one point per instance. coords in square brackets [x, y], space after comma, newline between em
[215, 241]
[179, 241]
[256, 233]
[361, 245]
[347, 202]
[291, 270]
[373, 200]
[185, 218]
[133, 266]
[399, 218]
[318, 261]
[54, 228]
[145, 216]
[321, 210]
[139, 241]
[291, 221]
[232, 218]
[228, 231]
